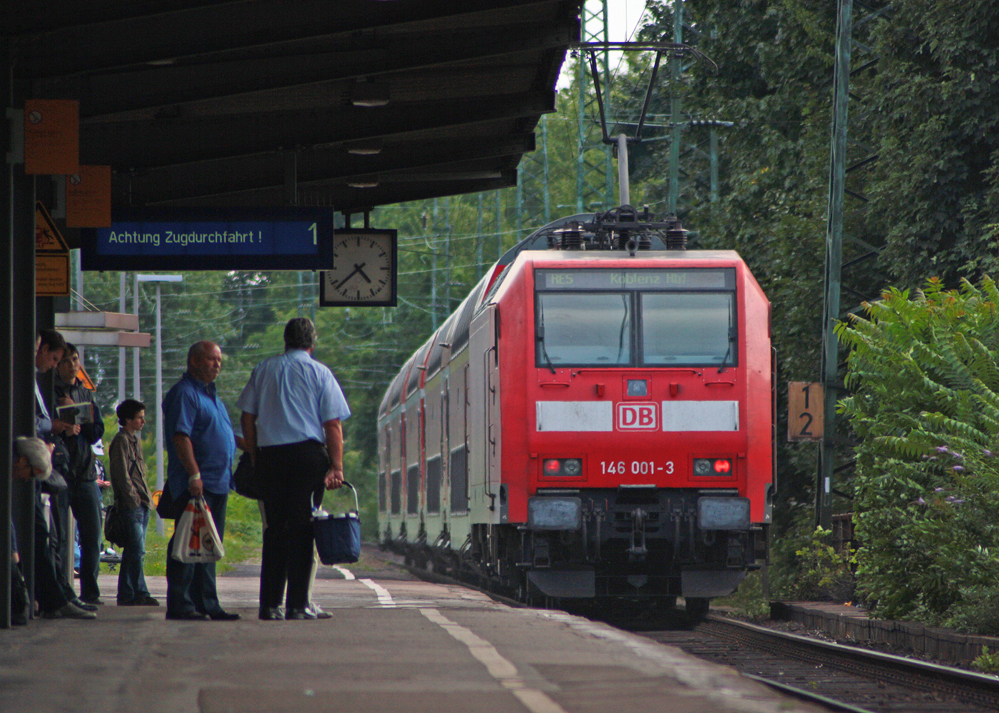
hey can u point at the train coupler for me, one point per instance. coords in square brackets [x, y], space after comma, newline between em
[542, 554]
[637, 549]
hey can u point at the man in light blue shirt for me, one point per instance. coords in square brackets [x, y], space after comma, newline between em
[292, 408]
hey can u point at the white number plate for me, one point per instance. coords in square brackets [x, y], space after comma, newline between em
[635, 467]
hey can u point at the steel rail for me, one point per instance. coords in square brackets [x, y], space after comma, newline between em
[975, 688]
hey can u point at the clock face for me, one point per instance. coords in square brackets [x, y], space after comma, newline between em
[364, 272]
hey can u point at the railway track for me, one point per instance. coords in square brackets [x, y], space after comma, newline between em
[840, 677]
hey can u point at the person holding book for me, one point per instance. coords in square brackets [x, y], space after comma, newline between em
[131, 495]
[80, 416]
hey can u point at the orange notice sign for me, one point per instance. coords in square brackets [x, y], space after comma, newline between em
[51, 136]
[51, 275]
[88, 198]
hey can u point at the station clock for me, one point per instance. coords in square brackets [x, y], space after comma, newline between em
[364, 270]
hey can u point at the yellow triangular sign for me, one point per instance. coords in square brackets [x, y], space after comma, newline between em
[48, 239]
[84, 377]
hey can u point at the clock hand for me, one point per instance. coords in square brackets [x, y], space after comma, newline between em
[361, 272]
[357, 269]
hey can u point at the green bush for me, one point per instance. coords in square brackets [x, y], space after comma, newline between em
[925, 405]
[748, 601]
[807, 568]
[987, 662]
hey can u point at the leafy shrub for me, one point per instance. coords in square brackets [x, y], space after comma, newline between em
[926, 408]
[987, 662]
[804, 567]
[748, 600]
[977, 613]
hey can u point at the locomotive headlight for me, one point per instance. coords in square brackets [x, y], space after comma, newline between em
[723, 513]
[554, 513]
[572, 467]
[713, 467]
[638, 387]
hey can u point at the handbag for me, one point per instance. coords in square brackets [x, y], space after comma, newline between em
[195, 539]
[168, 507]
[338, 537]
[20, 602]
[245, 478]
[115, 525]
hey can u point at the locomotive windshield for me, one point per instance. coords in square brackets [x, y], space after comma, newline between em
[648, 317]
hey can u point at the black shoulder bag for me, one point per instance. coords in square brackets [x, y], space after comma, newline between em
[245, 478]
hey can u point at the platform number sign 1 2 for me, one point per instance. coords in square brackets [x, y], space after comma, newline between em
[805, 411]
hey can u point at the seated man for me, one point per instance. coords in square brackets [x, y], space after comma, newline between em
[34, 462]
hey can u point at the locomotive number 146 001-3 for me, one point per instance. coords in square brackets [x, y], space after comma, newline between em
[635, 467]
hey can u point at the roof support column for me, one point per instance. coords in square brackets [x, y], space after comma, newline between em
[6, 324]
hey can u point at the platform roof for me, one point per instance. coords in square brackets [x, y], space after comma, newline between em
[221, 103]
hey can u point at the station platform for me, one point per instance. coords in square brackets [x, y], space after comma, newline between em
[394, 643]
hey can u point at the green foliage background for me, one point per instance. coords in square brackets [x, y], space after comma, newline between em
[924, 370]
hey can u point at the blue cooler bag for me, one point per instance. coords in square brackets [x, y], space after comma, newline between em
[338, 537]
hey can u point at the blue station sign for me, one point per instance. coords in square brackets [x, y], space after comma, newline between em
[289, 238]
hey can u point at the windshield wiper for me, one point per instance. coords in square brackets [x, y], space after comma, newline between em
[540, 335]
[624, 331]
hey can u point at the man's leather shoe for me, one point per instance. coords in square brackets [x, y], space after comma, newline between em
[295, 613]
[318, 612]
[223, 616]
[69, 611]
[271, 614]
[188, 616]
[86, 606]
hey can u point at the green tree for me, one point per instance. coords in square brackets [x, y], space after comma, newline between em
[936, 131]
[925, 377]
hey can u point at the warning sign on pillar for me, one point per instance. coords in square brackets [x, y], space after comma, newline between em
[51, 136]
[88, 198]
[48, 239]
[51, 275]
[51, 256]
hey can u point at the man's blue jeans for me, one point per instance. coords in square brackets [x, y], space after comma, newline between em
[85, 500]
[131, 578]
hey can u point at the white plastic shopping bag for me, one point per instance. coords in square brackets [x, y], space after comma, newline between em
[195, 539]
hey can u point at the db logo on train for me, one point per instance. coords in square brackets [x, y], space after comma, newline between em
[637, 417]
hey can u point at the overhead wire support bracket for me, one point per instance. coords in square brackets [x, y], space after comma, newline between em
[660, 48]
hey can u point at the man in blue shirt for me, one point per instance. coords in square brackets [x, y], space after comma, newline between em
[292, 408]
[200, 445]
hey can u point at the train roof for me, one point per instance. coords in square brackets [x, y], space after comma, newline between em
[570, 256]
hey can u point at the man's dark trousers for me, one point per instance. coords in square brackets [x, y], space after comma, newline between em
[290, 476]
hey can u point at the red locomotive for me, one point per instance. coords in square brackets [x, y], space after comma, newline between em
[595, 420]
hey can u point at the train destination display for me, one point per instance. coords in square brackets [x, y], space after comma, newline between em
[644, 279]
[211, 239]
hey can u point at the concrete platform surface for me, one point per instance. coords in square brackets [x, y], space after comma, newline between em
[393, 644]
